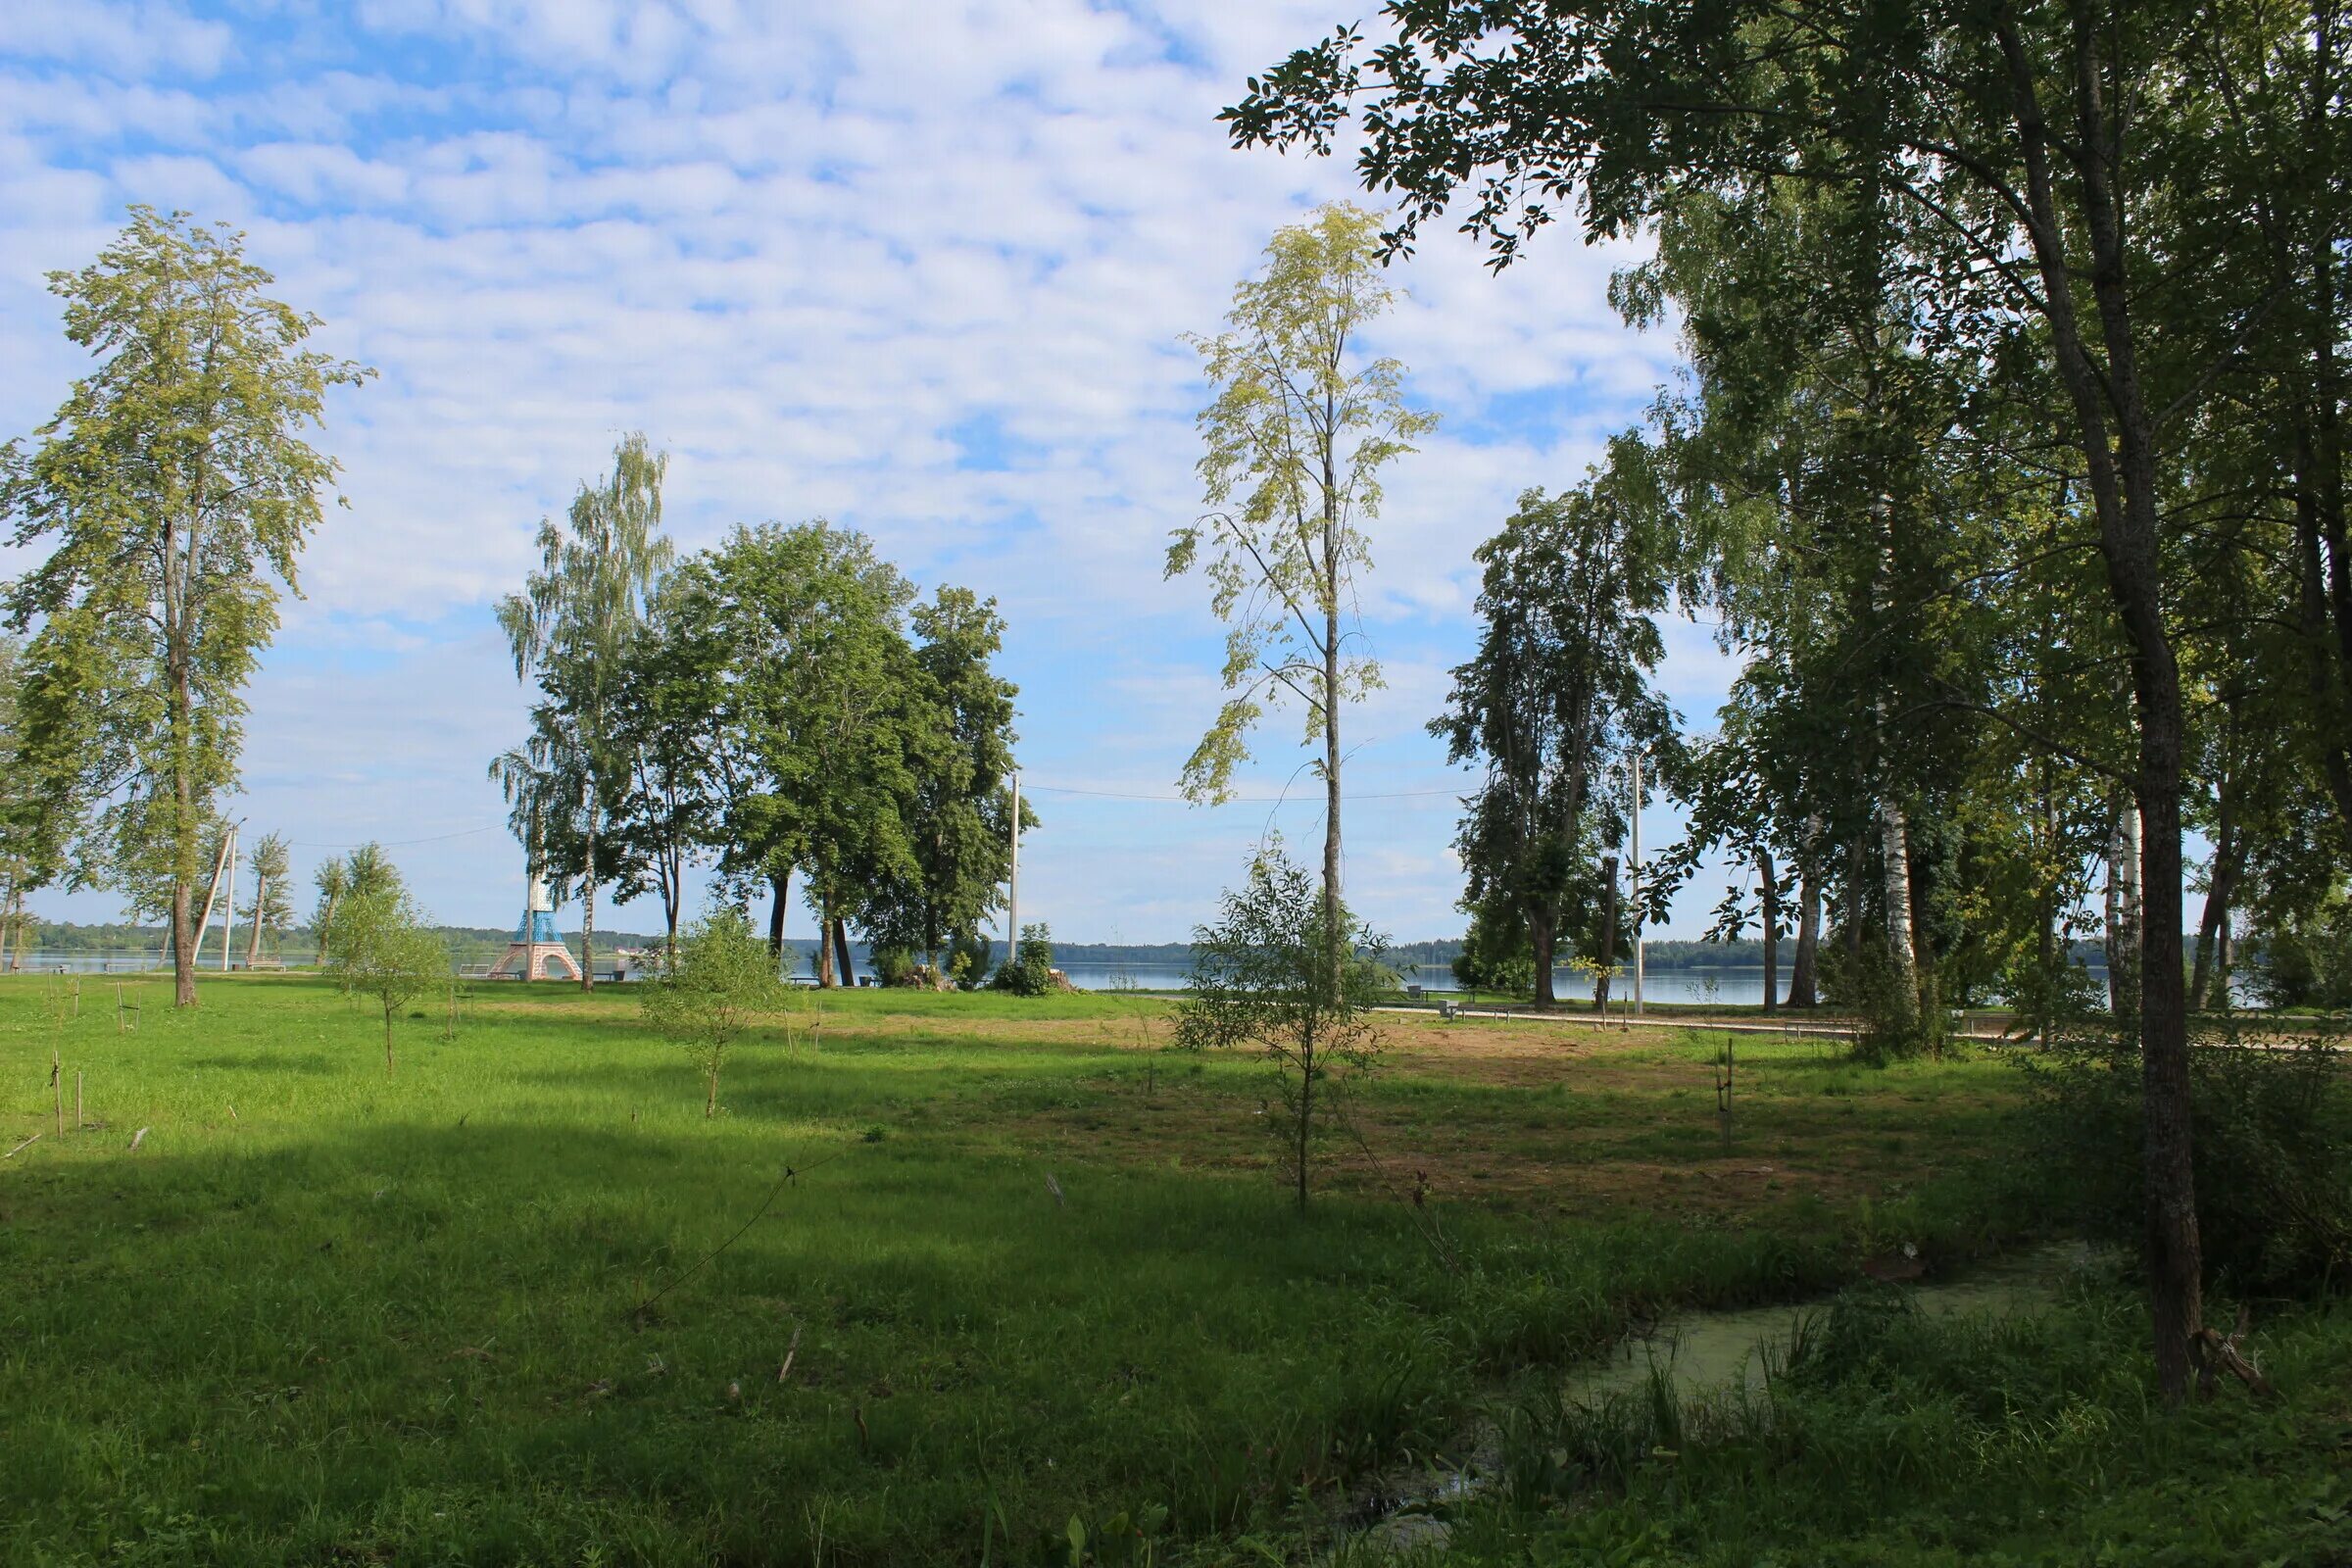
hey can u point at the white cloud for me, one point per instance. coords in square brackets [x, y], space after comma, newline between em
[814, 250]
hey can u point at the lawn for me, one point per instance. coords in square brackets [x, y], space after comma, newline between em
[1030, 1270]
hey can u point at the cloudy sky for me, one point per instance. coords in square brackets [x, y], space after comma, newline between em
[920, 268]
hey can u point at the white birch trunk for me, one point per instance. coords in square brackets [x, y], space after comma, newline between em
[1894, 847]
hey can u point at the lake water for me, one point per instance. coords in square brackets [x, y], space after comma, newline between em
[1731, 987]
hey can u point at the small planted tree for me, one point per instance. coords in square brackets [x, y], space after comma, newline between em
[365, 876]
[1030, 970]
[1262, 979]
[387, 952]
[722, 978]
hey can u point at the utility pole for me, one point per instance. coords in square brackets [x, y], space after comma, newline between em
[1013, 904]
[1635, 817]
[229, 916]
[204, 923]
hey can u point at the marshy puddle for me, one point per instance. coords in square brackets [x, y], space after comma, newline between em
[1701, 1353]
[1707, 1352]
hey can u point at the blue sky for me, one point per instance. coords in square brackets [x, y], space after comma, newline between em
[918, 269]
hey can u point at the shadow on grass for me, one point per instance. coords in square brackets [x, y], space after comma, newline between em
[298, 1340]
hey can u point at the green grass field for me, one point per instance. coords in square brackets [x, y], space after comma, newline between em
[323, 1315]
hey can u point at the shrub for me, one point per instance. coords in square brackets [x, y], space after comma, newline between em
[2273, 1138]
[1031, 971]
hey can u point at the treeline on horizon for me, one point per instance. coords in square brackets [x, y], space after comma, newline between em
[468, 943]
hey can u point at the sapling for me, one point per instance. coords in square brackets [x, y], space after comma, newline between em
[1262, 977]
[388, 953]
[706, 999]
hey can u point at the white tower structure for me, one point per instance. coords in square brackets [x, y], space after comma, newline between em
[537, 952]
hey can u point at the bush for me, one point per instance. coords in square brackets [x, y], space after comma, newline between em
[2272, 1139]
[1893, 1025]
[1031, 971]
[968, 960]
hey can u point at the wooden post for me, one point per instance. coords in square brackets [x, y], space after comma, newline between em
[57, 1082]
[80, 1120]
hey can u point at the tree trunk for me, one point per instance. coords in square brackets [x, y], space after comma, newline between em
[1769, 894]
[2122, 913]
[1930, 990]
[1335, 939]
[1605, 959]
[1855, 856]
[2119, 465]
[184, 959]
[2221, 888]
[780, 884]
[588, 916]
[840, 951]
[253, 934]
[1804, 987]
[825, 979]
[1543, 939]
[1894, 852]
[711, 1092]
[387, 1038]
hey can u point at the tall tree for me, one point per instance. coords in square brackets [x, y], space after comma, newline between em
[178, 490]
[1568, 604]
[671, 697]
[959, 819]
[570, 628]
[1297, 437]
[2062, 152]
[272, 908]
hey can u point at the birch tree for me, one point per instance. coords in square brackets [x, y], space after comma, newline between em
[175, 490]
[1297, 437]
[571, 631]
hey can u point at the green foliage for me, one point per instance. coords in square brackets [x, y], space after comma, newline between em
[708, 997]
[1496, 955]
[1296, 439]
[2305, 956]
[387, 950]
[1030, 972]
[1558, 689]
[2272, 1125]
[1262, 980]
[967, 961]
[272, 909]
[175, 492]
[571, 631]
[364, 875]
